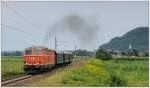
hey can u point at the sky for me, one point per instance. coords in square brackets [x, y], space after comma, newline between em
[84, 24]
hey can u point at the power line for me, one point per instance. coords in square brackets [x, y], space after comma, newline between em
[28, 21]
[17, 29]
[75, 47]
[20, 24]
[23, 17]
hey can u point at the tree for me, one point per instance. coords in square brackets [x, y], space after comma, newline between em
[123, 53]
[103, 55]
[135, 52]
[146, 54]
[12, 53]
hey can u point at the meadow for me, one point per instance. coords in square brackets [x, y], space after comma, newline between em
[101, 73]
[11, 66]
[87, 72]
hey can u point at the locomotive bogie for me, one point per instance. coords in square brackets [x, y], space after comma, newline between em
[37, 68]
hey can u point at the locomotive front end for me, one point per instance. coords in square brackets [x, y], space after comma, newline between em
[37, 59]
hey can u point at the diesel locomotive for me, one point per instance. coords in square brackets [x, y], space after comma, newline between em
[39, 59]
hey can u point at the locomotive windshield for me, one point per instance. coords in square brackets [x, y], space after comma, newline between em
[37, 51]
[28, 52]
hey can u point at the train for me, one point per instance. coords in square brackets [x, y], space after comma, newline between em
[38, 59]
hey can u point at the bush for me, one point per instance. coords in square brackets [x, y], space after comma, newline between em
[103, 54]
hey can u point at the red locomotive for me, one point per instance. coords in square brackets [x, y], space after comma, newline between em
[38, 59]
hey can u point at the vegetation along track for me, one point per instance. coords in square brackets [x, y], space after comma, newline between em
[22, 79]
[14, 80]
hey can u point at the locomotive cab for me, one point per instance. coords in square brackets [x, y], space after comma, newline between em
[38, 59]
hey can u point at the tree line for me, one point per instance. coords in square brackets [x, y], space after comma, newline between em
[106, 55]
[11, 53]
[79, 52]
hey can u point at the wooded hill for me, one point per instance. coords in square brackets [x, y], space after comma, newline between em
[137, 38]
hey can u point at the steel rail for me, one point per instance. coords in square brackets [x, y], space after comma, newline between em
[15, 79]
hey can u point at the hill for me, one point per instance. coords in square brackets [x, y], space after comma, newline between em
[137, 38]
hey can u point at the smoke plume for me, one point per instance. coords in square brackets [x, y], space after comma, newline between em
[84, 28]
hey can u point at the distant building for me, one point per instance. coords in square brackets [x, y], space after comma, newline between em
[141, 54]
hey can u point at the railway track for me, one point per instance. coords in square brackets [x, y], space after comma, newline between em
[23, 77]
[15, 79]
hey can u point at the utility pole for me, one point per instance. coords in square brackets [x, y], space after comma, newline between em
[55, 43]
[75, 48]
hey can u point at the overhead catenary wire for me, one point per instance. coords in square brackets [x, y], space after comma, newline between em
[23, 17]
[36, 27]
[17, 29]
[20, 25]
[28, 34]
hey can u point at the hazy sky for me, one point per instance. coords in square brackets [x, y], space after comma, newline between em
[26, 23]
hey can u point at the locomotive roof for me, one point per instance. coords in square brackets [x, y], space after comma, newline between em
[38, 47]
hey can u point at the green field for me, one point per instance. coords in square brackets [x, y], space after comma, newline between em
[88, 72]
[11, 66]
[101, 73]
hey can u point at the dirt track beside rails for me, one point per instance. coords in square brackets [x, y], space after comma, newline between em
[26, 82]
